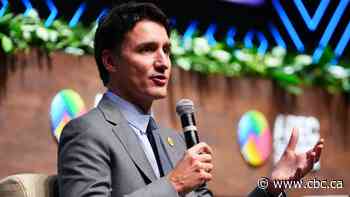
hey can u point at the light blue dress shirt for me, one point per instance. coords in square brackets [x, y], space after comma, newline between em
[138, 121]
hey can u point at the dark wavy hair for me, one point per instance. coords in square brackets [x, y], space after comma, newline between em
[120, 20]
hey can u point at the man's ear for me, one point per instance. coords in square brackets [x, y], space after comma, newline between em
[108, 60]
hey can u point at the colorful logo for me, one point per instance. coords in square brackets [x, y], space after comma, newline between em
[254, 138]
[66, 105]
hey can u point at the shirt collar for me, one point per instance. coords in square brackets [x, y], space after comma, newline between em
[133, 114]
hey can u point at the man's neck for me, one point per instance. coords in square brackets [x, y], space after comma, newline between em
[145, 107]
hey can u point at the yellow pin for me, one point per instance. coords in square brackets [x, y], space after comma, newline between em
[170, 141]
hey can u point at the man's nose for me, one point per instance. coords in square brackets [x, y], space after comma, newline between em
[162, 60]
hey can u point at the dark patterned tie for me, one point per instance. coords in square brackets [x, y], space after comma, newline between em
[160, 154]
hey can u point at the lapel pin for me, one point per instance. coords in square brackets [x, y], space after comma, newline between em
[170, 141]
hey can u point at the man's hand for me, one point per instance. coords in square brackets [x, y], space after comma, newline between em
[193, 170]
[294, 166]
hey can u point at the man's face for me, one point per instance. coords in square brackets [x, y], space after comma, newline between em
[143, 68]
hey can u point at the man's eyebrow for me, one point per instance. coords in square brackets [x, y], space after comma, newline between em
[142, 44]
[145, 44]
[168, 44]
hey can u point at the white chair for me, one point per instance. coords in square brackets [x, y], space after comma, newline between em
[28, 185]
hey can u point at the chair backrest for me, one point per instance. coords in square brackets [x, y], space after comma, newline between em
[28, 185]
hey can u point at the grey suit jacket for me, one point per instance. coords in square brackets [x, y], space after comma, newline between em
[99, 156]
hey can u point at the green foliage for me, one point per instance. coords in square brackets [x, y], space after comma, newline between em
[20, 33]
[6, 43]
[289, 70]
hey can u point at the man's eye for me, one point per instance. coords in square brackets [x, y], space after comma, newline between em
[166, 50]
[146, 50]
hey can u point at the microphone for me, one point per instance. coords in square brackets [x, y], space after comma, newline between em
[185, 110]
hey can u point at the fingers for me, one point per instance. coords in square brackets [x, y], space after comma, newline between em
[321, 141]
[201, 157]
[310, 161]
[298, 174]
[193, 170]
[205, 158]
[205, 176]
[201, 148]
[318, 149]
[207, 167]
[293, 140]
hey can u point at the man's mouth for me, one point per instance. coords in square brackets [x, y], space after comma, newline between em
[159, 80]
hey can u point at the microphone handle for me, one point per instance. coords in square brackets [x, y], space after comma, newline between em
[191, 138]
[190, 130]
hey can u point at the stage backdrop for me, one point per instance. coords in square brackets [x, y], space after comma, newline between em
[27, 145]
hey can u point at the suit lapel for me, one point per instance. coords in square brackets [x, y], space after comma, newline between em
[130, 141]
[172, 147]
[127, 136]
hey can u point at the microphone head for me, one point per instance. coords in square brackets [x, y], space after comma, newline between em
[184, 106]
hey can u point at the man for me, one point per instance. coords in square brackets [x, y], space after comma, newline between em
[117, 149]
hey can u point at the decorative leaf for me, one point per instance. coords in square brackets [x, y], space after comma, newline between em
[6, 44]
[286, 78]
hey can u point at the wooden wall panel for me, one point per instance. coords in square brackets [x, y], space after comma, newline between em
[26, 144]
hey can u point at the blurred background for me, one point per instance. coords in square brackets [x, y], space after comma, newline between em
[254, 69]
